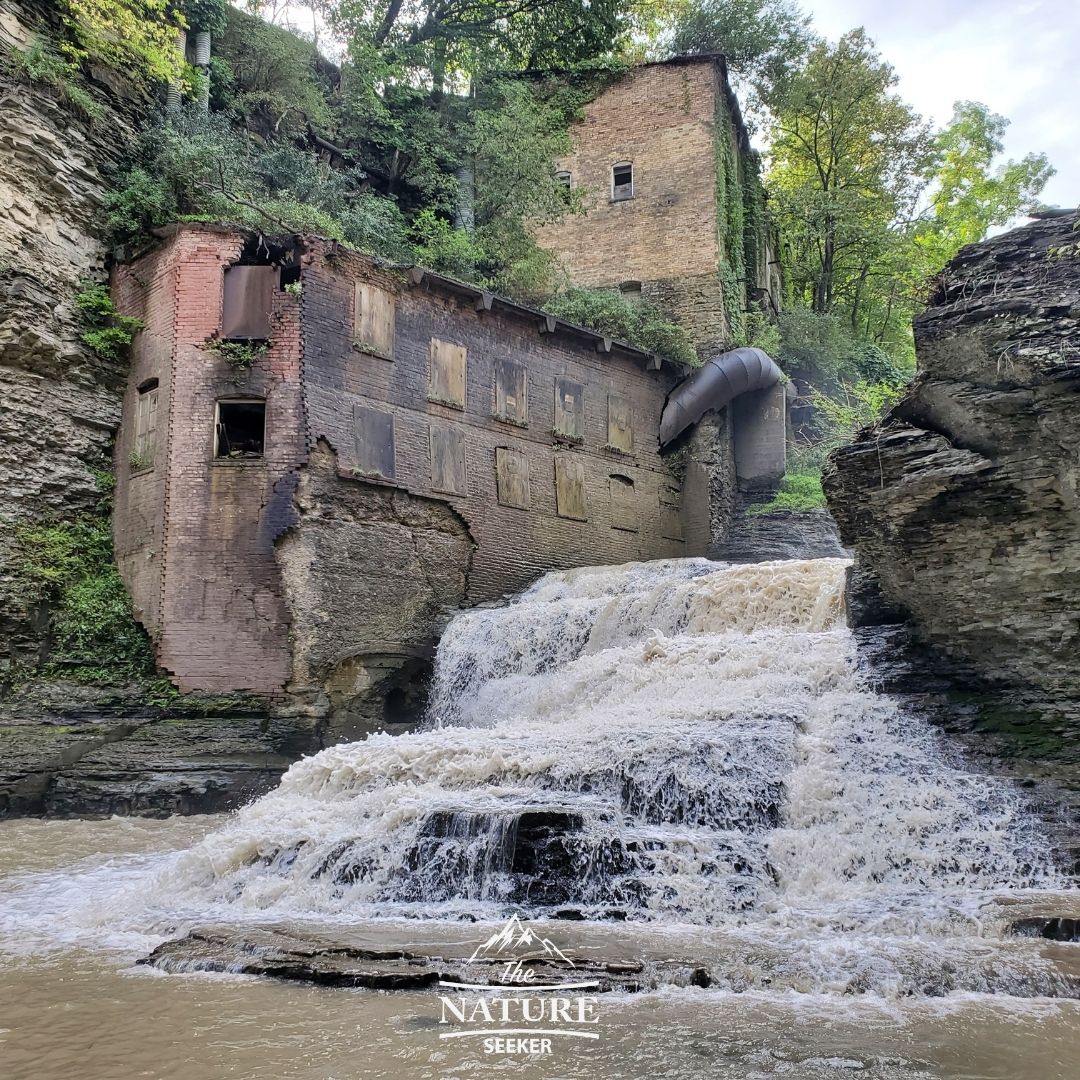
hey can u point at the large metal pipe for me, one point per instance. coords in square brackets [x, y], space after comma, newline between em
[713, 385]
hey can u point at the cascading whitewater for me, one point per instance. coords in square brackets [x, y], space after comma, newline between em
[675, 742]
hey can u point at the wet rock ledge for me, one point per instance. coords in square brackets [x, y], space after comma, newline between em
[279, 956]
[98, 753]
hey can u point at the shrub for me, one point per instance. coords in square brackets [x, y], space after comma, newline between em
[108, 333]
[640, 323]
[442, 247]
[95, 637]
[39, 64]
[798, 491]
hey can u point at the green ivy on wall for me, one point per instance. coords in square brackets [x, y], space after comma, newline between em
[740, 220]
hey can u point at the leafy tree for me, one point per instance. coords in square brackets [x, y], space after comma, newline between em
[762, 40]
[849, 159]
[969, 193]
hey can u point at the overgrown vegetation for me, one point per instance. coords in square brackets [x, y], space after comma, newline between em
[69, 565]
[639, 323]
[240, 355]
[108, 333]
[798, 491]
[38, 64]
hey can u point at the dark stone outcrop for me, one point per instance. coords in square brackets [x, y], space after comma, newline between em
[781, 534]
[962, 504]
[115, 756]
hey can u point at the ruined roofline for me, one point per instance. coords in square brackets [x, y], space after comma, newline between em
[484, 299]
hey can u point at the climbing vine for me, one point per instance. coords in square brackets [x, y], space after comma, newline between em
[730, 220]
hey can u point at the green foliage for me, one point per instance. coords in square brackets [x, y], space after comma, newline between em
[209, 16]
[970, 193]
[94, 636]
[108, 333]
[240, 355]
[851, 409]
[442, 247]
[826, 352]
[268, 78]
[763, 41]
[191, 166]
[137, 37]
[39, 64]
[798, 491]
[640, 323]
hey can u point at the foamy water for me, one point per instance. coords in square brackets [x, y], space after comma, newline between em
[683, 746]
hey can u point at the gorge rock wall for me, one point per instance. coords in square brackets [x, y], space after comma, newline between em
[61, 402]
[962, 503]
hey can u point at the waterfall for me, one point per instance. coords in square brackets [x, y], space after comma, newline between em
[677, 743]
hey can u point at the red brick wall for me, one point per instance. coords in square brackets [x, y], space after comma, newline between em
[222, 623]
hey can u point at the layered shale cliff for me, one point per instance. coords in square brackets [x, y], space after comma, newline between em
[61, 402]
[962, 503]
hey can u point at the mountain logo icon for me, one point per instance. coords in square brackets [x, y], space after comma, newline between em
[515, 937]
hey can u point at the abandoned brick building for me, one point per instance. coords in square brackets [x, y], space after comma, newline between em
[303, 513]
[673, 206]
[321, 457]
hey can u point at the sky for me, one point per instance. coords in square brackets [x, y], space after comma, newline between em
[1019, 57]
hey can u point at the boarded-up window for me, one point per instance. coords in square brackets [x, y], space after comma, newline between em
[247, 300]
[446, 383]
[142, 454]
[671, 525]
[373, 320]
[570, 487]
[511, 393]
[624, 511]
[569, 410]
[373, 430]
[512, 477]
[620, 424]
[448, 460]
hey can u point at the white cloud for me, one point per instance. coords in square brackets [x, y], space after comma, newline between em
[1019, 57]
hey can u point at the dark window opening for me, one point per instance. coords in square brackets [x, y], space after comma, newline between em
[631, 291]
[289, 274]
[241, 429]
[622, 181]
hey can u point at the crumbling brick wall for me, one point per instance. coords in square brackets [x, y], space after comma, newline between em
[208, 526]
